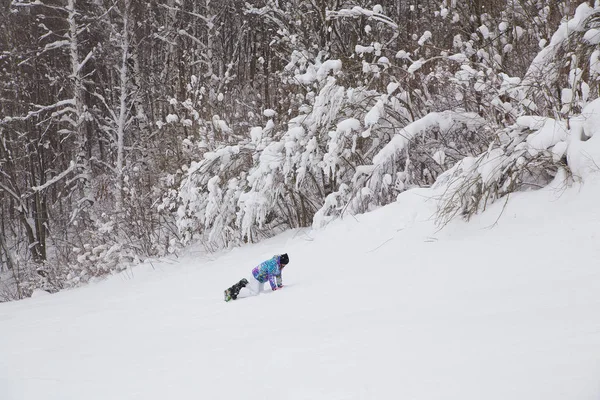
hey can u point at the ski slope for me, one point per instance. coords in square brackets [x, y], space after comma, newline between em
[381, 306]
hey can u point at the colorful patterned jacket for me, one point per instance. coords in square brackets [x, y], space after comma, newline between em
[269, 270]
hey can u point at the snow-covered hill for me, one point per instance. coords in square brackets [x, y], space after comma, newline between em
[381, 306]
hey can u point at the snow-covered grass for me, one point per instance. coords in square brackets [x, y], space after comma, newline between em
[381, 306]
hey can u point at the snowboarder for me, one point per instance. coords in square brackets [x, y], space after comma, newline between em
[269, 270]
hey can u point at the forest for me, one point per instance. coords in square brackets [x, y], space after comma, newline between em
[130, 129]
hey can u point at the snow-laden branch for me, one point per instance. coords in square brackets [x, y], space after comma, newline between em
[444, 121]
[182, 32]
[85, 60]
[54, 179]
[34, 4]
[204, 18]
[543, 66]
[357, 11]
[267, 12]
[41, 109]
[103, 100]
[10, 192]
[164, 39]
[55, 45]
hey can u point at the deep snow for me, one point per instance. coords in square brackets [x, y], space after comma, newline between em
[378, 306]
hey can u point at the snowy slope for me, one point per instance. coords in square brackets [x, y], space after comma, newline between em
[381, 306]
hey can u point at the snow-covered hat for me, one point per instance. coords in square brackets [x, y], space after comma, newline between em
[284, 259]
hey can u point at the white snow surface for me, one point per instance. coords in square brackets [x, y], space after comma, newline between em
[378, 306]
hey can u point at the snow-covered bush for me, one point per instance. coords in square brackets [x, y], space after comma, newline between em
[205, 199]
[359, 131]
[511, 164]
[531, 152]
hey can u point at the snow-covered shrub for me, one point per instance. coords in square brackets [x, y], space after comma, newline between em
[206, 198]
[531, 152]
[336, 131]
[282, 175]
[358, 132]
[424, 149]
[516, 161]
[415, 156]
